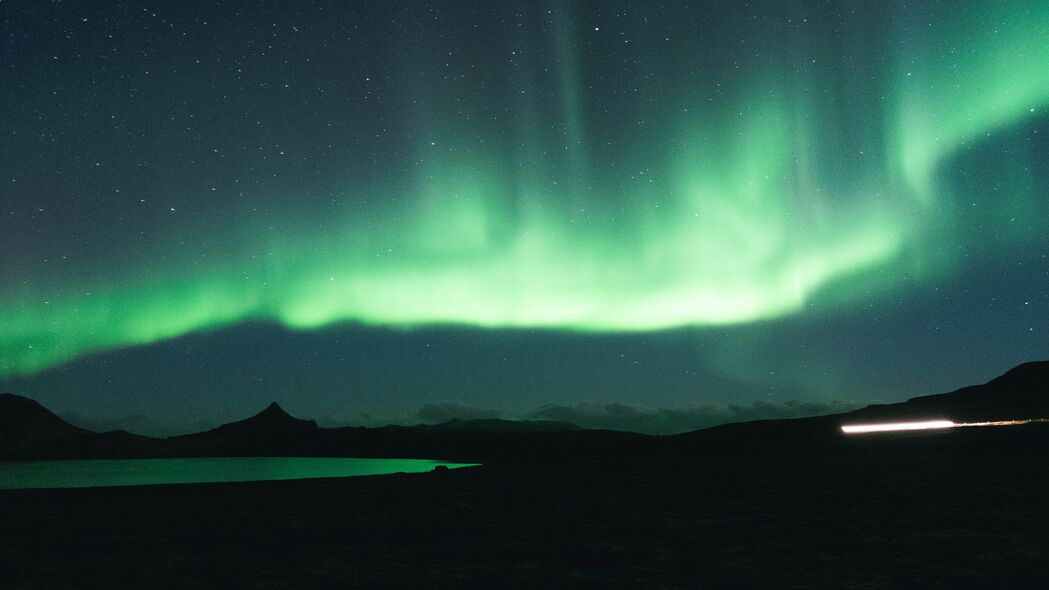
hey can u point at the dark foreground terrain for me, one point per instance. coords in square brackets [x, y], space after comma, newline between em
[933, 510]
[781, 504]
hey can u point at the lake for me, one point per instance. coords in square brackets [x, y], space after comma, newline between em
[140, 472]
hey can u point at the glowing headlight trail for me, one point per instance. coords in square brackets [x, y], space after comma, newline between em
[896, 426]
[929, 425]
[1004, 422]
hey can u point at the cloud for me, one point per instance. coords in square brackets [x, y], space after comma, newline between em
[352, 419]
[445, 411]
[650, 420]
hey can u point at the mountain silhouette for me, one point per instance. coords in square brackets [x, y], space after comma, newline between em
[271, 431]
[497, 424]
[27, 426]
[30, 431]
[768, 500]
[1020, 393]
[271, 420]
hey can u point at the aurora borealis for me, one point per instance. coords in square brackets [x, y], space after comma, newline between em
[712, 171]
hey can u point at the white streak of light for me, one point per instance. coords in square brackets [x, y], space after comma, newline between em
[931, 425]
[895, 426]
[1003, 422]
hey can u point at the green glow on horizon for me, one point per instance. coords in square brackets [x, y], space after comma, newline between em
[744, 214]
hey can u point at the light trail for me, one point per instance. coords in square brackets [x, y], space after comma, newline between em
[1004, 422]
[897, 426]
[929, 425]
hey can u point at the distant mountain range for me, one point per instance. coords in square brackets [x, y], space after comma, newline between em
[30, 431]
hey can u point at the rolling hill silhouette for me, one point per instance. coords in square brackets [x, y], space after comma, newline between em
[767, 504]
[30, 431]
[26, 427]
[1022, 392]
[497, 424]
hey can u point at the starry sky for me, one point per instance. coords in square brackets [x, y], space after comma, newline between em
[644, 215]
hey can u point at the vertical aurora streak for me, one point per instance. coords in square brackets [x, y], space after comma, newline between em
[709, 199]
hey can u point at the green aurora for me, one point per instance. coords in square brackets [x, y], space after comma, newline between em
[710, 207]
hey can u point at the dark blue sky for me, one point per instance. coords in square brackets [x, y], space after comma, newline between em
[636, 215]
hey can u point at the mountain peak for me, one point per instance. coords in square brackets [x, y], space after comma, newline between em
[26, 427]
[17, 412]
[271, 419]
[274, 409]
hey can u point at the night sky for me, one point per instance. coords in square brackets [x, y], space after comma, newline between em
[645, 215]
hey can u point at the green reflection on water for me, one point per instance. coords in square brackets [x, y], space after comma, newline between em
[137, 472]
